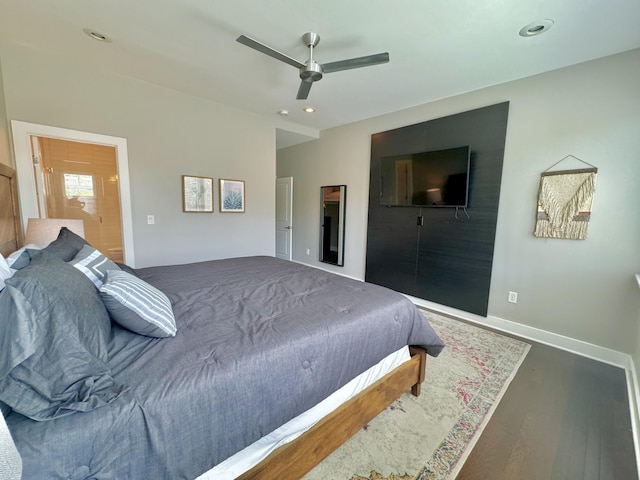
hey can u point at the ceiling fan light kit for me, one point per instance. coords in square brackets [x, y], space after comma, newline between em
[311, 71]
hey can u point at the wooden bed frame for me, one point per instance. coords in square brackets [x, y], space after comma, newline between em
[298, 457]
[10, 224]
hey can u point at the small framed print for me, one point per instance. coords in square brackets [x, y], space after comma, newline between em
[197, 194]
[231, 196]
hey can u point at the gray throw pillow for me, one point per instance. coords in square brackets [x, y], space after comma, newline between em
[21, 258]
[93, 264]
[67, 245]
[53, 339]
[137, 306]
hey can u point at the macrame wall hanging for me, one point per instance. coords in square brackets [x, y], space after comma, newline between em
[564, 202]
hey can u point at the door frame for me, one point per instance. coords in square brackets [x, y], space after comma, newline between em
[21, 133]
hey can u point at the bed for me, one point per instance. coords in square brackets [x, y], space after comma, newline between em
[257, 343]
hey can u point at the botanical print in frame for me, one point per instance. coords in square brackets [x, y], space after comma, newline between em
[231, 196]
[197, 194]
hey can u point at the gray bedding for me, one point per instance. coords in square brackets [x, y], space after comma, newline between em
[259, 341]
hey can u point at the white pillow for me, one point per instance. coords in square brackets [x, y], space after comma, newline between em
[5, 271]
[10, 460]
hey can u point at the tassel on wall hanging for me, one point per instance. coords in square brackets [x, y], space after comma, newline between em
[564, 202]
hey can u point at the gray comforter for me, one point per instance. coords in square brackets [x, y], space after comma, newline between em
[259, 341]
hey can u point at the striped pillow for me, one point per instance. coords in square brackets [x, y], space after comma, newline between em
[93, 264]
[137, 306]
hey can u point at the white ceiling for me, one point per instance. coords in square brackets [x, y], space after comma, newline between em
[438, 48]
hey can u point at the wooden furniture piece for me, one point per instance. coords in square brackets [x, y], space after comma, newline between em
[10, 227]
[298, 457]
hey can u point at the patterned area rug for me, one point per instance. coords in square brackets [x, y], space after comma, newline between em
[430, 437]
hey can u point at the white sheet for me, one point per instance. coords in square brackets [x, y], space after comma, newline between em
[10, 461]
[249, 457]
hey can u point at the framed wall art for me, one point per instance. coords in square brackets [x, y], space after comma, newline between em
[197, 194]
[232, 196]
[565, 198]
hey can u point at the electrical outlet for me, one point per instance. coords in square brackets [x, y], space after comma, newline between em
[308, 252]
[513, 297]
[151, 219]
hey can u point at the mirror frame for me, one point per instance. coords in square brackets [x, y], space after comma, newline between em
[330, 257]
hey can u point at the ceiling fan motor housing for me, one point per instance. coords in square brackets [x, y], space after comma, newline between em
[312, 72]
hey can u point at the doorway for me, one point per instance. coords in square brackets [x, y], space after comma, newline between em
[80, 181]
[32, 206]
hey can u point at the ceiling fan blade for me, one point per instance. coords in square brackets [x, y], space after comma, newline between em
[250, 42]
[303, 91]
[356, 62]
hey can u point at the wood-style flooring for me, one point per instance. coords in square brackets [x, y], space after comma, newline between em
[564, 417]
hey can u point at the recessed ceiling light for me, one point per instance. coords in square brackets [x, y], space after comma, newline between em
[96, 35]
[309, 109]
[536, 28]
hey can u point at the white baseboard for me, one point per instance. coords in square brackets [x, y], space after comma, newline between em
[585, 349]
[320, 267]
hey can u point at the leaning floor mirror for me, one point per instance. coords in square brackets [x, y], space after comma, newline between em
[332, 201]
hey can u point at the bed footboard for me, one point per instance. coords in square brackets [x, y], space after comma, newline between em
[298, 457]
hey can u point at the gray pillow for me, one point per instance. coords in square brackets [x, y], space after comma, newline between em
[93, 264]
[20, 258]
[137, 306]
[53, 339]
[67, 245]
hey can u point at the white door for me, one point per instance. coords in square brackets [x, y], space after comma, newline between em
[284, 217]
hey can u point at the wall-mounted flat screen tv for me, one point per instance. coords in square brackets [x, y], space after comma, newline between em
[436, 178]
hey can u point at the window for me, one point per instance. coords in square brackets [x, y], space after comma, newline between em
[76, 185]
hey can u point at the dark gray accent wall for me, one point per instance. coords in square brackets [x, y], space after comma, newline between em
[446, 260]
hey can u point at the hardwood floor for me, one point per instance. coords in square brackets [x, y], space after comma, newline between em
[564, 417]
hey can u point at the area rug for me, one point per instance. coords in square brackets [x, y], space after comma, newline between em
[429, 437]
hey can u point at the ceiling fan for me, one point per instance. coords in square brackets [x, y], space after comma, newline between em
[311, 71]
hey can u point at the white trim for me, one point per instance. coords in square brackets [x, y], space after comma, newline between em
[320, 267]
[26, 181]
[634, 403]
[595, 352]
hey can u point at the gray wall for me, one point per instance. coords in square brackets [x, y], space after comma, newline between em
[580, 289]
[168, 134]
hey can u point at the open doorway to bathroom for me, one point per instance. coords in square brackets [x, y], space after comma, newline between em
[67, 173]
[80, 180]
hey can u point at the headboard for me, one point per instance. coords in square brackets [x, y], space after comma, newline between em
[10, 226]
